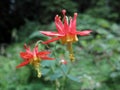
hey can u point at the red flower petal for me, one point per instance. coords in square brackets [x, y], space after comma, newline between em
[59, 24]
[70, 26]
[66, 27]
[27, 49]
[49, 33]
[51, 40]
[46, 58]
[83, 33]
[64, 12]
[43, 53]
[36, 49]
[73, 29]
[23, 64]
[26, 55]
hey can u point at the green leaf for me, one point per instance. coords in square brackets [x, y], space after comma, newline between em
[55, 76]
[45, 71]
[73, 78]
[48, 63]
[64, 68]
[37, 34]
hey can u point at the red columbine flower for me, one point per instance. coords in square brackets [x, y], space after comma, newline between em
[34, 57]
[67, 32]
[63, 61]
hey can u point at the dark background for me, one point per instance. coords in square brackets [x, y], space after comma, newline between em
[13, 13]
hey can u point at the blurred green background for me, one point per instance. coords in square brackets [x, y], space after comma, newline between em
[97, 56]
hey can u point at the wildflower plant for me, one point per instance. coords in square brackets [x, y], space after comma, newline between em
[34, 58]
[60, 67]
[67, 32]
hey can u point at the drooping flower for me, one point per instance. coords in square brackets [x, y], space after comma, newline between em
[67, 32]
[34, 57]
[63, 61]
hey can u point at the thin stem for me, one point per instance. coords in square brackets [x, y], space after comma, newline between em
[62, 86]
[57, 83]
[40, 41]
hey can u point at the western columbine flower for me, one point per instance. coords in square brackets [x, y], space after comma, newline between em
[34, 57]
[63, 61]
[67, 32]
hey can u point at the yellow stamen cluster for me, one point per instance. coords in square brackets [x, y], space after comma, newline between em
[71, 55]
[72, 58]
[38, 72]
[69, 38]
[36, 63]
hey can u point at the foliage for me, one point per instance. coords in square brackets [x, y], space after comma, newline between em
[9, 76]
[104, 8]
[28, 28]
[31, 30]
[97, 63]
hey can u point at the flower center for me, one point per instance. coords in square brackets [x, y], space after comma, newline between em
[69, 38]
[35, 60]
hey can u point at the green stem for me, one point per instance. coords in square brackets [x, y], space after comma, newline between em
[69, 47]
[65, 75]
[39, 41]
[57, 83]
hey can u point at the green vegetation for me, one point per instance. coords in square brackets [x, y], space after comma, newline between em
[97, 65]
